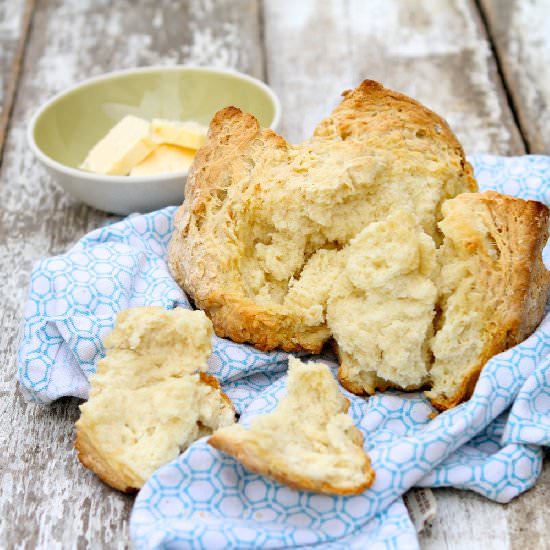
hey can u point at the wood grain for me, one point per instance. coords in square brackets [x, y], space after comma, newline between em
[48, 500]
[520, 31]
[527, 516]
[15, 18]
[466, 520]
[435, 51]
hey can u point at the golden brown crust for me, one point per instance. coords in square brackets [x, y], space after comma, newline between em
[250, 456]
[381, 385]
[242, 321]
[235, 139]
[196, 268]
[353, 386]
[360, 388]
[213, 382]
[90, 457]
[464, 392]
[520, 231]
[371, 108]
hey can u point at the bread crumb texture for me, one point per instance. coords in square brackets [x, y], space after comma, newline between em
[350, 235]
[308, 442]
[150, 397]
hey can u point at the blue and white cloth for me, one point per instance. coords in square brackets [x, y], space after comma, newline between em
[491, 445]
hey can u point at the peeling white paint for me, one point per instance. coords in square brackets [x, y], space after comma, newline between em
[218, 50]
[315, 49]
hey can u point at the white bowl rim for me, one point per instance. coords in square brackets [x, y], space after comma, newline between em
[92, 176]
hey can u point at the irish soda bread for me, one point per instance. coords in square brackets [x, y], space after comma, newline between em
[149, 399]
[343, 236]
[263, 220]
[308, 442]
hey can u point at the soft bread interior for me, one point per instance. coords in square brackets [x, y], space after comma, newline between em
[381, 310]
[309, 442]
[148, 400]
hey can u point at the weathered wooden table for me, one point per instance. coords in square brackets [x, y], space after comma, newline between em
[483, 66]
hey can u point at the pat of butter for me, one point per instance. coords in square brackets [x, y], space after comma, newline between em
[164, 159]
[126, 145]
[190, 135]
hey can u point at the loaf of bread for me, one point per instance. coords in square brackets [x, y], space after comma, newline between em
[308, 442]
[370, 233]
[150, 399]
[263, 219]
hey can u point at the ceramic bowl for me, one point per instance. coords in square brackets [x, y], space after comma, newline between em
[63, 130]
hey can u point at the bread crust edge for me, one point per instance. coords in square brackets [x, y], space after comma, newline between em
[247, 455]
[94, 460]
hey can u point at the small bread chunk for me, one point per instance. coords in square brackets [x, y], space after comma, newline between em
[148, 399]
[381, 311]
[308, 442]
[493, 286]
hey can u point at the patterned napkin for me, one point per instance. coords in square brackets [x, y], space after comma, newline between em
[204, 499]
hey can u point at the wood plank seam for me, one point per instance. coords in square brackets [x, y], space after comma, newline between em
[502, 75]
[263, 47]
[14, 74]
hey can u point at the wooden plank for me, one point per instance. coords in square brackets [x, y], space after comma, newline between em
[48, 500]
[521, 35]
[11, 17]
[527, 516]
[434, 51]
[15, 17]
[466, 520]
[37, 219]
[520, 525]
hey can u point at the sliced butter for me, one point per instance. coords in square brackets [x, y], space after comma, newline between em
[164, 159]
[190, 135]
[125, 146]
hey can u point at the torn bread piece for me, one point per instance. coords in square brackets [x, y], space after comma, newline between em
[493, 287]
[308, 442]
[382, 309]
[150, 399]
[406, 315]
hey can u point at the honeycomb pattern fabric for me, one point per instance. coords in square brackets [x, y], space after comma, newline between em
[492, 444]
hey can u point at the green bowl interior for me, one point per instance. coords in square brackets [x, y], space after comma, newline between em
[71, 125]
